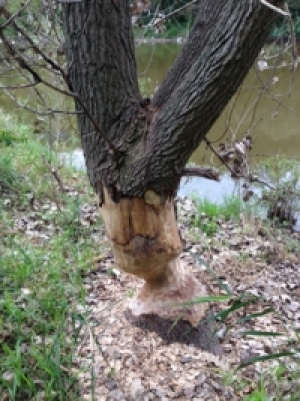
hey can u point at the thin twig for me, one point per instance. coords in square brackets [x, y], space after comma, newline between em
[57, 177]
[251, 178]
[48, 112]
[274, 8]
[286, 14]
[36, 48]
[293, 38]
[260, 181]
[14, 16]
[160, 20]
[208, 143]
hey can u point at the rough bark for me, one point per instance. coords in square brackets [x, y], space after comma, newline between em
[154, 139]
[102, 71]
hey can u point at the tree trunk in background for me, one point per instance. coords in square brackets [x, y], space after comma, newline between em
[137, 183]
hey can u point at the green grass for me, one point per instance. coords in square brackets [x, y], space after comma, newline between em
[275, 384]
[37, 319]
[41, 267]
[229, 209]
[210, 213]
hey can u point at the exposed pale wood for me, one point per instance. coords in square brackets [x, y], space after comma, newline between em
[146, 243]
[143, 232]
[164, 297]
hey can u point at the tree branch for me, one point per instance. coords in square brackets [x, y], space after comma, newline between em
[203, 172]
[277, 9]
[211, 147]
[186, 114]
[36, 48]
[57, 177]
[208, 16]
[250, 177]
[13, 16]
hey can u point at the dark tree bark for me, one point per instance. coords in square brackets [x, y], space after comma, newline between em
[137, 178]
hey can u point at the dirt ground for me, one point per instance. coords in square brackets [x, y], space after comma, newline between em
[122, 357]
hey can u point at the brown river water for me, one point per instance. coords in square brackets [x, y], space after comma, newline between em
[271, 117]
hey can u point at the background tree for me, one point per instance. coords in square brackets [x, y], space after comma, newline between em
[136, 149]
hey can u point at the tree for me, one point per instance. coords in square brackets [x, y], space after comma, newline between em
[136, 149]
[136, 166]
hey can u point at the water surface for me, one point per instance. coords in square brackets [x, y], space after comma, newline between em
[271, 117]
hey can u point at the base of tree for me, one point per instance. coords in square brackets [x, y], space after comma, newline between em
[202, 336]
[146, 243]
[169, 296]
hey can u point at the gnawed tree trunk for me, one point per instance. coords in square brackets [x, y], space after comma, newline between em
[146, 243]
[136, 174]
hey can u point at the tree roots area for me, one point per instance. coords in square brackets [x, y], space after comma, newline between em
[124, 357]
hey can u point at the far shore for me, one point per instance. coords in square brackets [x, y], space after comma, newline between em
[181, 39]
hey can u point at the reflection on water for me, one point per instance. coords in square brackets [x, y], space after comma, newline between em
[73, 159]
[202, 188]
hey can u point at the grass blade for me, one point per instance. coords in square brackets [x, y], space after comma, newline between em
[255, 315]
[262, 358]
[260, 333]
[201, 300]
[215, 276]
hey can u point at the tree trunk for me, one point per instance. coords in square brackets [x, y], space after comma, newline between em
[146, 243]
[136, 179]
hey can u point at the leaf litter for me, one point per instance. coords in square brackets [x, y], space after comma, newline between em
[124, 358]
[128, 358]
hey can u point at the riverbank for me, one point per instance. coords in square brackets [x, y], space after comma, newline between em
[65, 333]
[281, 41]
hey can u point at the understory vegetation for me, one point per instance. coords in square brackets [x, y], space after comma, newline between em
[179, 24]
[51, 238]
[282, 200]
[45, 249]
[211, 215]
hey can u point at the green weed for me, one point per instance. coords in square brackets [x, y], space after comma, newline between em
[229, 209]
[39, 327]
[211, 214]
[9, 177]
[145, 86]
[8, 138]
[37, 340]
